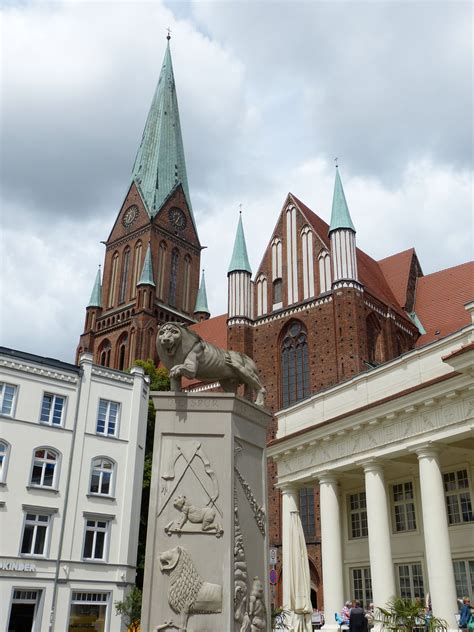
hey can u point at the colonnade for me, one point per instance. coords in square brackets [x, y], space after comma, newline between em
[435, 532]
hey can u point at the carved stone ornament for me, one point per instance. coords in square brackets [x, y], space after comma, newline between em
[205, 517]
[185, 354]
[257, 610]
[191, 518]
[258, 511]
[188, 594]
[240, 572]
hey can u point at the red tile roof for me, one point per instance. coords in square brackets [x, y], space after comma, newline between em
[396, 270]
[440, 299]
[370, 273]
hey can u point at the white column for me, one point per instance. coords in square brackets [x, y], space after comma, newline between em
[331, 549]
[289, 503]
[437, 547]
[378, 520]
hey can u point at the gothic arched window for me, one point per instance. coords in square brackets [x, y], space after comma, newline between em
[113, 280]
[173, 277]
[122, 352]
[187, 282]
[104, 353]
[375, 350]
[324, 262]
[294, 364]
[161, 270]
[137, 265]
[123, 278]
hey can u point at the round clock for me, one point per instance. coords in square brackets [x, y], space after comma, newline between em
[130, 216]
[177, 218]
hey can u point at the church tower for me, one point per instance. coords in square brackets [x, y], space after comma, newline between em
[152, 258]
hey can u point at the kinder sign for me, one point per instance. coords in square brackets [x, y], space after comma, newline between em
[23, 567]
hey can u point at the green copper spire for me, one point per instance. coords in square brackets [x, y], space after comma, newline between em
[96, 296]
[159, 165]
[240, 260]
[340, 217]
[201, 299]
[147, 272]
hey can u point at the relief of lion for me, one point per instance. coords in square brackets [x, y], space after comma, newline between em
[184, 353]
[188, 593]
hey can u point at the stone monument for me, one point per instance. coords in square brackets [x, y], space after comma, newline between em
[206, 553]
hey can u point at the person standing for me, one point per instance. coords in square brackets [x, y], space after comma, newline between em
[465, 613]
[357, 619]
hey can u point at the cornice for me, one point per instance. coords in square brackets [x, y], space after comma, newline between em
[284, 313]
[32, 369]
[179, 241]
[116, 376]
[123, 240]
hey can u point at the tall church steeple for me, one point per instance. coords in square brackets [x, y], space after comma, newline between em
[160, 164]
[152, 258]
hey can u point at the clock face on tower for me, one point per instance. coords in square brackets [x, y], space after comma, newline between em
[130, 216]
[177, 218]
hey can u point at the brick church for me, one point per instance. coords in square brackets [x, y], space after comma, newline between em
[317, 312]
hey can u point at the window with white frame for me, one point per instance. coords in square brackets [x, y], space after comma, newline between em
[52, 409]
[34, 540]
[362, 585]
[4, 456]
[464, 578]
[262, 304]
[403, 503]
[7, 398]
[410, 581]
[89, 610]
[308, 272]
[45, 468]
[324, 263]
[107, 418]
[358, 515]
[102, 477]
[458, 497]
[95, 539]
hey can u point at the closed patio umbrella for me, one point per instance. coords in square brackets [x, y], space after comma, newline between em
[300, 595]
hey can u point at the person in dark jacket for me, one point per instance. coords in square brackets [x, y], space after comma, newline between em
[357, 619]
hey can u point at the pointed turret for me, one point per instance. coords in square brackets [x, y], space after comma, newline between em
[239, 278]
[240, 260]
[201, 310]
[340, 216]
[160, 166]
[343, 239]
[96, 295]
[146, 277]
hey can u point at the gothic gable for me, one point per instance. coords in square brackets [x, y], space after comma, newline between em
[132, 216]
[288, 273]
[175, 220]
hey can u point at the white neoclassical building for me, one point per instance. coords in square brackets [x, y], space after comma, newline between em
[71, 463]
[392, 451]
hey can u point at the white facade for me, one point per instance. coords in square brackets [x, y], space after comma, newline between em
[72, 443]
[392, 451]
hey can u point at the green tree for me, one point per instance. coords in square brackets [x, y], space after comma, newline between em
[130, 609]
[159, 381]
[407, 615]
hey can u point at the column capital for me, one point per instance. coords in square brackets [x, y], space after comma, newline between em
[327, 477]
[426, 450]
[288, 488]
[372, 465]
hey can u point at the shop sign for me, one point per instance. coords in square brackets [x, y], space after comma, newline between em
[25, 567]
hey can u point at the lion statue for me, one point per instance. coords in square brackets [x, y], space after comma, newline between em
[184, 353]
[188, 593]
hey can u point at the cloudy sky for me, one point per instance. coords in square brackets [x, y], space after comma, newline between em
[269, 93]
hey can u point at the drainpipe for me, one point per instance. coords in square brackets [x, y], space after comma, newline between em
[52, 616]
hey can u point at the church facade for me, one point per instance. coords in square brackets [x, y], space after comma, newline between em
[317, 313]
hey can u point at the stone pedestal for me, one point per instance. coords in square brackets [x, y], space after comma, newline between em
[207, 528]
